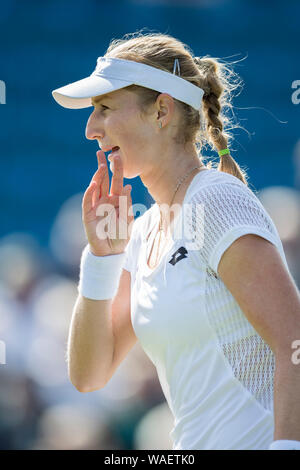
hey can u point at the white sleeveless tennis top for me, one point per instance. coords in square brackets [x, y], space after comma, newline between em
[215, 371]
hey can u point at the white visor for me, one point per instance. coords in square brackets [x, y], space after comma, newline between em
[113, 74]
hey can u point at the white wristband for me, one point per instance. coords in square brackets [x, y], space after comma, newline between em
[285, 445]
[99, 275]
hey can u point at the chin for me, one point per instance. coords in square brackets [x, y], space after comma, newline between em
[130, 175]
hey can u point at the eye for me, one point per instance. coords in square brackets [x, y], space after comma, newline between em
[102, 106]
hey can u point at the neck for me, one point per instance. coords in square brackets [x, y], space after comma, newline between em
[161, 182]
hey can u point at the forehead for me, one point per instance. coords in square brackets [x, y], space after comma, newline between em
[97, 99]
[121, 95]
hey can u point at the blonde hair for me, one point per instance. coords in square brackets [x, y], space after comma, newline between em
[211, 125]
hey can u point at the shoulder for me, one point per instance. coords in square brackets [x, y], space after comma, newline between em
[222, 192]
[214, 182]
[222, 208]
[229, 210]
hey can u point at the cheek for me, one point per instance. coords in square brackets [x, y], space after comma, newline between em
[131, 132]
[141, 134]
[114, 125]
[128, 131]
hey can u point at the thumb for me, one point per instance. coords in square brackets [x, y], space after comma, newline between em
[127, 191]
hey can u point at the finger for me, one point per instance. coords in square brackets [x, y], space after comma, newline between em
[105, 182]
[129, 206]
[98, 178]
[100, 157]
[87, 201]
[117, 177]
[130, 216]
[127, 192]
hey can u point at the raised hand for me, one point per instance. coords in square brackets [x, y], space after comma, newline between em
[107, 226]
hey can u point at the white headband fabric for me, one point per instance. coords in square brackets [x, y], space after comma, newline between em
[113, 74]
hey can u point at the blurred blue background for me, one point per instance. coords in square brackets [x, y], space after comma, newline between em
[46, 165]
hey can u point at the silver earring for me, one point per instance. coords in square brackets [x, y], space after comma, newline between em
[159, 124]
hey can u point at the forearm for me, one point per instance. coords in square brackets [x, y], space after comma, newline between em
[287, 396]
[90, 344]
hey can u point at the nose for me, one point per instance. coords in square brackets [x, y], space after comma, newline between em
[92, 130]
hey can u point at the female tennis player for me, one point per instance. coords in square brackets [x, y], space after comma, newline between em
[207, 291]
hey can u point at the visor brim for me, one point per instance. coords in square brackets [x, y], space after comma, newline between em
[78, 94]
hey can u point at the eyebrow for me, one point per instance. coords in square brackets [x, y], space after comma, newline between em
[100, 98]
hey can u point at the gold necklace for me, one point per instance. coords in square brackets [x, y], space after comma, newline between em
[160, 221]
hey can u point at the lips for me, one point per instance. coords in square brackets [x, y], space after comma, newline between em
[109, 149]
[114, 151]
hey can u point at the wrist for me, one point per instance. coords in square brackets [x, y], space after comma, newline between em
[284, 444]
[101, 255]
[99, 275]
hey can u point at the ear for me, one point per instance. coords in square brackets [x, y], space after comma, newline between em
[165, 107]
